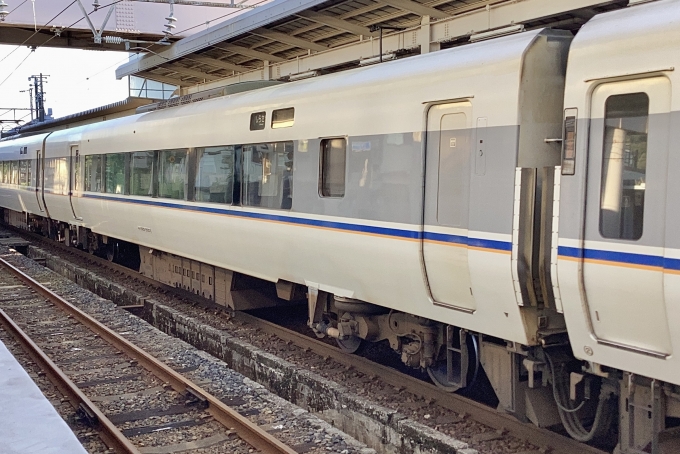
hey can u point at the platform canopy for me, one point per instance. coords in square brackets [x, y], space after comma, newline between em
[287, 38]
[61, 23]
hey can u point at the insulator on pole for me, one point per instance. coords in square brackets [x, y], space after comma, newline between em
[3, 10]
[113, 40]
[170, 26]
[96, 5]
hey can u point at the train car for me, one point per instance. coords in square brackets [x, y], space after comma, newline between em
[18, 174]
[618, 239]
[484, 209]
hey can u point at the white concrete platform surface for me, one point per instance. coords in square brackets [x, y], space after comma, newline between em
[29, 424]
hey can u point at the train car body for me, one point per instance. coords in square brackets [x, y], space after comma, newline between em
[504, 204]
[618, 239]
[442, 101]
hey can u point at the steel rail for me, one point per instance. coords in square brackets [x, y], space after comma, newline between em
[112, 437]
[246, 430]
[543, 438]
[559, 444]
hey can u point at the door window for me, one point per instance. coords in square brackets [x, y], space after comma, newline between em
[454, 170]
[624, 166]
[333, 164]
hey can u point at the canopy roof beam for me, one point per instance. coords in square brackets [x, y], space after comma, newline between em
[248, 52]
[219, 63]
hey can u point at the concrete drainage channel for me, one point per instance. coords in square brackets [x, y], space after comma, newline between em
[381, 428]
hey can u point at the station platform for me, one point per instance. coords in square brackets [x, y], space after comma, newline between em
[29, 424]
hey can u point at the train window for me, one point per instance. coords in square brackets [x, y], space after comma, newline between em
[114, 172]
[3, 172]
[56, 175]
[93, 173]
[141, 171]
[268, 175]
[215, 174]
[29, 172]
[283, 118]
[332, 167]
[624, 166]
[172, 175]
[6, 172]
[24, 173]
[453, 191]
[258, 121]
[15, 172]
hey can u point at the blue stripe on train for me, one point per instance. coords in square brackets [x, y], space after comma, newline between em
[474, 242]
[620, 257]
[398, 233]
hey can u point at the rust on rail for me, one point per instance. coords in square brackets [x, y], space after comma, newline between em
[112, 437]
[246, 430]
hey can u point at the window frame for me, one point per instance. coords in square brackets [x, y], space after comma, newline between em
[274, 124]
[604, 165]
[158, 173]
[152, 180]
[26, 181]
[322, 174]
[87, 183]
[243, 178]
[126, 161]
[235, 181]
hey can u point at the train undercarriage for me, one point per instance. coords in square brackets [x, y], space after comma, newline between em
[543, 385]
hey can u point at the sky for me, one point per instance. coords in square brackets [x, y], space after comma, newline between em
[79, 79]
[83, 79]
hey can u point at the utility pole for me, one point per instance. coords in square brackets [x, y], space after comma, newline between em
[30, 98]
[39, 93]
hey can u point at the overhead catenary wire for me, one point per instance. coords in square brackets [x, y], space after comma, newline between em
[222, 16]
[16, 8]
[42, 44]
[38, 31]
[76, 22]
[108, 67]
[15, 69]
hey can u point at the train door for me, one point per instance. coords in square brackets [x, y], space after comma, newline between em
[447, 192]
[622, 265]
[38, 178]
[74, 176]
[41, 175]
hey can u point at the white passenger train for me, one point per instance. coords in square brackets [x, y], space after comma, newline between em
[482, 208]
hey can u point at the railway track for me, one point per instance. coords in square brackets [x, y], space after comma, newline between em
[85, 359]
[504, 425]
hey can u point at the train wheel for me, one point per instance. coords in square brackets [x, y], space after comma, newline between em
[439, 373]
[350, 345]
[439, 376]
